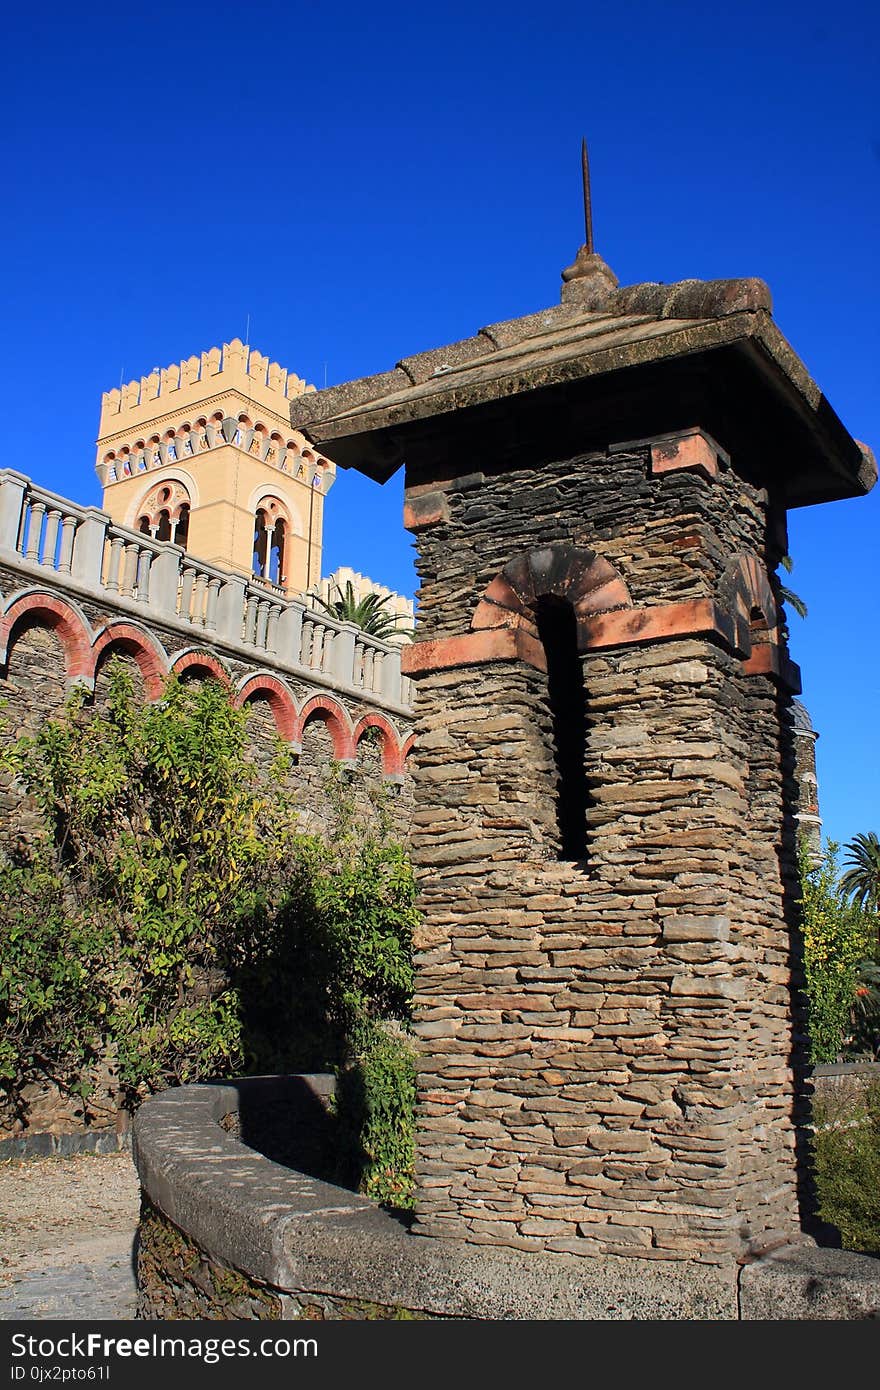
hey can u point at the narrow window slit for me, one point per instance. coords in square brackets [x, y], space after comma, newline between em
[557, 629]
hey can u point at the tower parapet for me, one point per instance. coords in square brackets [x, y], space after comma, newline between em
[198, 380]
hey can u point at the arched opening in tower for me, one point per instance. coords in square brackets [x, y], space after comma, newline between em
[557, 629]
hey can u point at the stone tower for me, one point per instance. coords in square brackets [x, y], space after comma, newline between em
[807, 815]
[612, 1056]
[202, 453]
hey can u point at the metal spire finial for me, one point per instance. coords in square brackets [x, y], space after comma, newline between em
[589, 282]
[588, 204]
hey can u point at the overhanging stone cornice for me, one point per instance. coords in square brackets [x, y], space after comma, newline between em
[563, 362]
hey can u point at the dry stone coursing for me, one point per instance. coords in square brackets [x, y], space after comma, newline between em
[608, 1062]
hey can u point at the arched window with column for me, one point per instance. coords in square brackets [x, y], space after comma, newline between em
[261, 543]
[271, 531]
[164, 512]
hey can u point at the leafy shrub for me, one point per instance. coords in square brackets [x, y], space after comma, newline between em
[53, 1009]
[846, 1156]
[336, 949]
[119, 918]
[344, 934]
[838, 937]
[169, 921]
[375, 1106]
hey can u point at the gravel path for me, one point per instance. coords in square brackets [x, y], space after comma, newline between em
[67, 1229]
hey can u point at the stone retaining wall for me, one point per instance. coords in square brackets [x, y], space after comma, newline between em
[228, 1233]
[844, 1082]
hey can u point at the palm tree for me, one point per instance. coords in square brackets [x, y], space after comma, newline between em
[368, 613]
[861, 882]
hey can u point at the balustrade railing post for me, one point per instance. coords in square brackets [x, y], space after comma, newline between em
[262, 622]
[65, 555]
[144, 578]
[272, 629]
[187, 581]
[289, 632]
[389, 686]
[53, 523]
[114, 564]
[200, 589]
[230, 609]
[165, 580]
[35, 528]
[88, 548]
[130, 571]
[211, 603]
[12, 490]
[250, 620]
[342, 656]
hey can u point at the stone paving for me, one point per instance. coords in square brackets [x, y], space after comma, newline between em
[67, 1228]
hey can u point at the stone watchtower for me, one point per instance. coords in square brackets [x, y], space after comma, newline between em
[202, 453]
[611, 1043]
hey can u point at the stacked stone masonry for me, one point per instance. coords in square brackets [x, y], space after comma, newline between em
[609, 1063]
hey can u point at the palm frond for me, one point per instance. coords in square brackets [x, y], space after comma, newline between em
[861, 879]
[368, 613]
[789, 596]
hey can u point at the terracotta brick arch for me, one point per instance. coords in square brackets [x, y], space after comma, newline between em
[746, 594]
[392, 753]
[337, 721]
[264, 686]
[196, 662]
[35, 607]
[150, 657]
[581, 577]
[407, 748]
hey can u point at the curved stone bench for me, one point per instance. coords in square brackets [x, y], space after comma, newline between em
[226, 1232]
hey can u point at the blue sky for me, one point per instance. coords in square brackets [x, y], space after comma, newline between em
[360, 183]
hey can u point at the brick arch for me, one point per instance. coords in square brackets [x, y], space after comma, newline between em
[262, 685]
[745, 592]
[337, 721]
[195, 661]
[408, 747]
[149, 655]
[579, 576]
[37, 608]
[392, 753]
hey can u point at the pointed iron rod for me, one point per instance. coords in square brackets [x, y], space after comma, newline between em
[588, 205]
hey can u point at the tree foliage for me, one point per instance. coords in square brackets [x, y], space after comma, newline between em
[838, 939]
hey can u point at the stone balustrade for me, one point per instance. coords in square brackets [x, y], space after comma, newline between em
[49, 538]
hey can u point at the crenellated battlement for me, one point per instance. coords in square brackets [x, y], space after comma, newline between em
[236, 368]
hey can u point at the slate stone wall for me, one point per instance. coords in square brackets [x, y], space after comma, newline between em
[610, 1054]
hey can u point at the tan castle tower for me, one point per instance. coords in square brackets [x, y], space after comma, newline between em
[202, 453]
